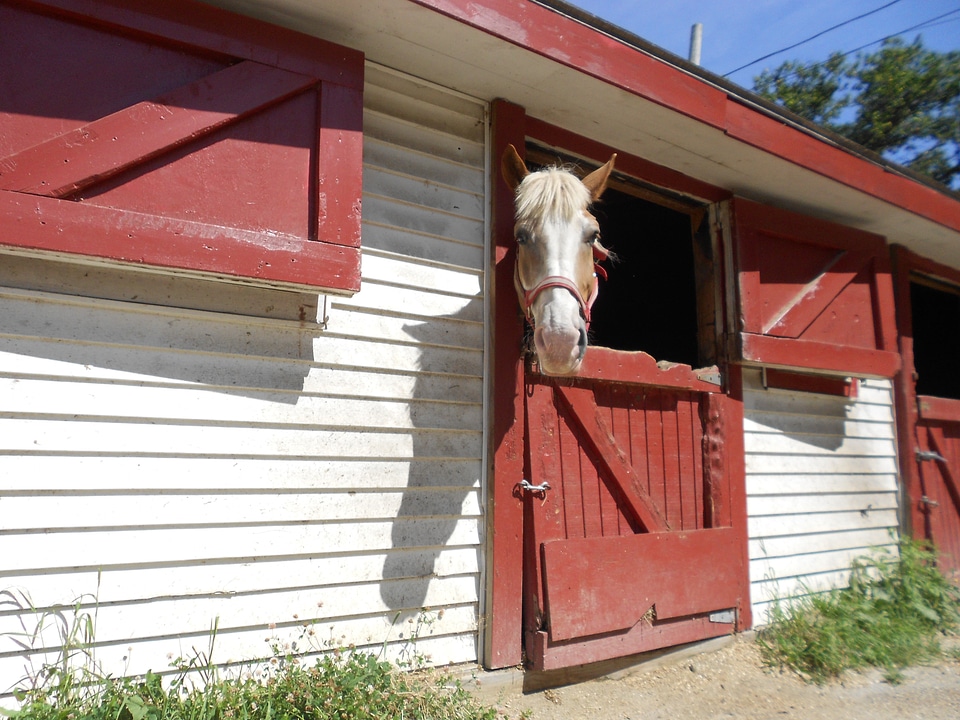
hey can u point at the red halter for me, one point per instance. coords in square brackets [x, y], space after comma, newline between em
[551, 281]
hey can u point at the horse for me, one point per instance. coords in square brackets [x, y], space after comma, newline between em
[558, 256]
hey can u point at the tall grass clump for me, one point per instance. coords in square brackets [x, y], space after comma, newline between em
[340, 684]
[894, 614]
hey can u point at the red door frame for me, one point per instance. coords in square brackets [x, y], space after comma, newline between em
[504, 607]
[913, 409]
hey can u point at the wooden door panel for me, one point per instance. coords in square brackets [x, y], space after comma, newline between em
[624, 513]
[227, 147]
[658, 576]
[813, 294]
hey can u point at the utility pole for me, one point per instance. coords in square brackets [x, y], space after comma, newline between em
[696, 39]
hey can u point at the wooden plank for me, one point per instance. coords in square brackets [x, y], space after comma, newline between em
[46, 224]
[639, 368]
[653, 569]
[788, 352]
[935, 409]
[107, 146]
[582, 414]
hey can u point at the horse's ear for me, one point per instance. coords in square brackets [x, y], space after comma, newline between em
[512, 167]
[596, 181]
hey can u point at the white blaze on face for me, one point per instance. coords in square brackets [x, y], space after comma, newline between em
[559, 328]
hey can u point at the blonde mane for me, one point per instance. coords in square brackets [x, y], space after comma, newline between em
[552, 192]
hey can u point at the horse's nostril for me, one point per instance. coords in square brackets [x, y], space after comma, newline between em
[582, 344]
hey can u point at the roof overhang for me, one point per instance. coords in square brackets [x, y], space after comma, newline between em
[571, 70]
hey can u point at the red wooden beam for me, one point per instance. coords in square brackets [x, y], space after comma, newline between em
[39, 223]
[788, 352]
[950, 480]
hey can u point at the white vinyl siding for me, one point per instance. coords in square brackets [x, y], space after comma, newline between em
[822, 489]
[182, 467]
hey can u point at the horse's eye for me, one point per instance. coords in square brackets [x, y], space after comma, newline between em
[522, 237]
[594, 237]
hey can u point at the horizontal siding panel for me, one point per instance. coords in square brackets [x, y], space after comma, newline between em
[196, 614]
[116, 473]
[448, 173]
[157, 439]
[798, 504]
[424, 193]
[417, 138]
[192, 404]
[145, 510]
[806, 564]
[848, 465]
[229, 579]
[804, 425]
[788, 545]
[29, 358]
[435, 248]
[790, 445]
[828, 522]
[387, 211]
[389, 268]
[811, 404]
[451, 332]
[131, 547]
[128, 324]
[819, 484]
[416, 303]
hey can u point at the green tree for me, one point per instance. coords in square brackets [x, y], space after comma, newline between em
[902, 101]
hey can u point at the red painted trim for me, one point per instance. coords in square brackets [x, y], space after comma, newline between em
[906, 400]
[736, 464]
[626, 163]
[820, 384]
[61, 226]
[340, 166]
[936, 409]
[504, 628]
[575, 45]
[789, 352]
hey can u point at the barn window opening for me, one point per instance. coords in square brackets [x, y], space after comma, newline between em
[935, 311]
[659, 295]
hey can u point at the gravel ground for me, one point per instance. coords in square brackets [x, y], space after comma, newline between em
[729, 681]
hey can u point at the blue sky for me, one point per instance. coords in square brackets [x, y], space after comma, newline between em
[736, 32]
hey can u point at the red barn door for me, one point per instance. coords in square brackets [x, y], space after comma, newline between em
[618, 514]
[630, 544]
[928, 402]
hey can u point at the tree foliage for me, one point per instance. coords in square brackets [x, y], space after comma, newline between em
[902, 101]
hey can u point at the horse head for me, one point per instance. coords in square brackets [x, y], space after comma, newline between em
[558, 246]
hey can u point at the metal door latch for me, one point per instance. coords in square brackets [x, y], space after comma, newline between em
[928, 502]
[929, 455]
[535, 489]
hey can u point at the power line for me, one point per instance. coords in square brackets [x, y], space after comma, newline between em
[812, 37]
[938, 20]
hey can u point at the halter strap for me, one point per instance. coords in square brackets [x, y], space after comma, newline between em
[530, 296]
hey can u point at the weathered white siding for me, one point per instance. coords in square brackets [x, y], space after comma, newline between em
[181, 462]
[821, 485]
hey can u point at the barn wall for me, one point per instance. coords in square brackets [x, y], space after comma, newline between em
[821, 485]
[177, 453]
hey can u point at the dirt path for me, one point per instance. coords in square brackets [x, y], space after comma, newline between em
[730, 682]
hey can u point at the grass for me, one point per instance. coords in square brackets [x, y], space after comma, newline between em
[340, 684]
[894, 614]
